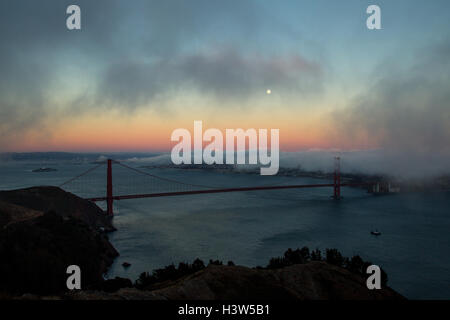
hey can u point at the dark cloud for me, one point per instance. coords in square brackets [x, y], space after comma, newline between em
[200, 45]
[225, 74]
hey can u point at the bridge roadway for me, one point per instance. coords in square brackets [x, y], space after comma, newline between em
[183, 193]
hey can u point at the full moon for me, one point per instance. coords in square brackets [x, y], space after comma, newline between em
[268, 91]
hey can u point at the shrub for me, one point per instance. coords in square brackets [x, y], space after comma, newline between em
[170, 272]
[333, 256]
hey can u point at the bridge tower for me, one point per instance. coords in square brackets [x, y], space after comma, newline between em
[337, 178]
[109, 189]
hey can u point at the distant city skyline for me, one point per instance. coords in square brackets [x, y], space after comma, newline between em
[138, 70]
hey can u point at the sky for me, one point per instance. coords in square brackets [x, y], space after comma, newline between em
[137, 70]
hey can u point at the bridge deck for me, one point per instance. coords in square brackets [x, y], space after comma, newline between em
[183, 193]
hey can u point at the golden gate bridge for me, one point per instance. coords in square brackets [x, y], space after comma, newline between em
[166, 187]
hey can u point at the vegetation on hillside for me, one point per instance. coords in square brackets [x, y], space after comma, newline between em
[354, 264]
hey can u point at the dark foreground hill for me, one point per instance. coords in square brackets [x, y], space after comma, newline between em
[43, 230]
[316, 280]
[35, 254]
[44, 199]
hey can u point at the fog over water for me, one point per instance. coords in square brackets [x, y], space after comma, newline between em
[402, 164]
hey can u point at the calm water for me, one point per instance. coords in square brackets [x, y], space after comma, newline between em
[251, 227]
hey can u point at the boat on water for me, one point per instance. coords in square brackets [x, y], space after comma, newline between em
[375, 233]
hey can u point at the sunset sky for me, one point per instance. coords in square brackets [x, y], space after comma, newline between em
[137, 70]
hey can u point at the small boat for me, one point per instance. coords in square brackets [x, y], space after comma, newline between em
[126, 264]
[375, 233]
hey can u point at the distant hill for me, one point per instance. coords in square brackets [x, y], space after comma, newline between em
[70, 156]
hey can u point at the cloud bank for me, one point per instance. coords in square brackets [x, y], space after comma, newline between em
[406, 113]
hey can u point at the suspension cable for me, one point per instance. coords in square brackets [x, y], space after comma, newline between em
[80, 175]
[163, 179]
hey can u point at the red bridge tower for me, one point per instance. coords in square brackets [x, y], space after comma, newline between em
[109, 189]
[337, 178]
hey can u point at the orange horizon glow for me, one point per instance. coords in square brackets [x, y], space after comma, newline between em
[150, 130]
[131, 137]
